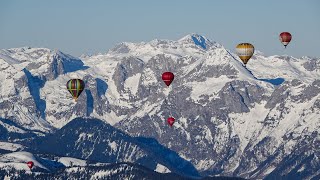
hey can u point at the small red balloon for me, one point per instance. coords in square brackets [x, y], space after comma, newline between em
[171, 121]
[30, 164]
[285, 38]
[167, 77]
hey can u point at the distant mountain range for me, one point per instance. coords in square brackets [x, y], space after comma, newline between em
[259, 121]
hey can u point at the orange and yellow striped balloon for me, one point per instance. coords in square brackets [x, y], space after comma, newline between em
[245, 51]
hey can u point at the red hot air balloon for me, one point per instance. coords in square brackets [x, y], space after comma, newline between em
[167, 77]
[285, 38]
[170, 121]
[30, 164]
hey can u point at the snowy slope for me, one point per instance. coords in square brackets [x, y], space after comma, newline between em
[68, 161]
[11, 146]
[18, 160]
[305, 68]
[112, 171]
[24, 72]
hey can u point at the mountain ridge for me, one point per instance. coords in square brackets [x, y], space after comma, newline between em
[235, 117]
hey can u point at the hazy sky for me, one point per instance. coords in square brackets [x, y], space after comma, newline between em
[87, 27]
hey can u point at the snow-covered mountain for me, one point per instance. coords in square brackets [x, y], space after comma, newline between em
[256, 122]
[12, 166]
[94, 140]
[110, 171]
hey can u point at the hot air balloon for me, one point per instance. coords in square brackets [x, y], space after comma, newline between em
[30, 164]
[167, 77]
[285, 38]
[245, 51]
[170, 121]
[75, 87]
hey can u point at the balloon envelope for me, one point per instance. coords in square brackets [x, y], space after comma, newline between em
[285, 38]
[167, 77]
[75, 87]
[170, 121]
[30, 164]
[245, 51]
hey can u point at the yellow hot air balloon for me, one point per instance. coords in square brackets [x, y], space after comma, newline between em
[245, 51]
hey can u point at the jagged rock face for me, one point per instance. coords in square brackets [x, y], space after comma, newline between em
[312, 64]
[229, 120]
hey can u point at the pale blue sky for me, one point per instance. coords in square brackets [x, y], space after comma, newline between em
[88, 27]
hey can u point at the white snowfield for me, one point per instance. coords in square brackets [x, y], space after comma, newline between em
[11, 146]
[69, 162]
[18, 160]
[287, 67]
[162, 169]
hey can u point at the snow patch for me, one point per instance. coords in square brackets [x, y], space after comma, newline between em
[113, 146]
[69, 162]
[149, 77]
[162, 169]
[132, 83]
[204, 164]
[101, 174]
[10, 146]
[209, 87]
[246, 125]
[301, 169]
